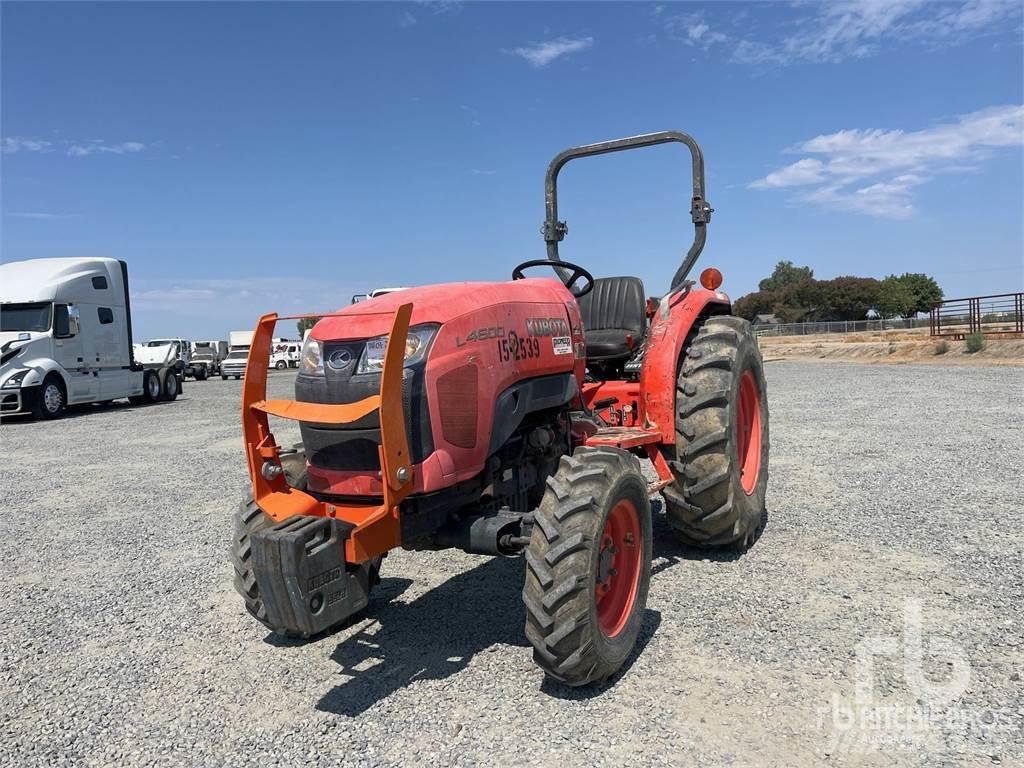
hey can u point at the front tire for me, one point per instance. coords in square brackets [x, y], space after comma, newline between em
[588, 566]
[52, 398]
[721, 465]
[151, 386]
[281, 365]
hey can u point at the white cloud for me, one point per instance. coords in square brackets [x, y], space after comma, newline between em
[542, 54]
[97, 145]
[807, 171]
[406, 20]
[857, 28]
[44, 216]
[15, 144]
[214, 296]
[875, 171]
[693, 29]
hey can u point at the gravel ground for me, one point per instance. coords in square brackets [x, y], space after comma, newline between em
[895, 526]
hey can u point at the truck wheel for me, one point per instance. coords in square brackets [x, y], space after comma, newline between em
[588, 566]
[52, 398]
[223, 377]
[237, 378]
[281, 365]
[171, 385]
[200, 374]
[151, 387]
[721, 465]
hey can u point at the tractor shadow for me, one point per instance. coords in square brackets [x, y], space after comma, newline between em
[669, 551]
[436, 636]
[430, 638]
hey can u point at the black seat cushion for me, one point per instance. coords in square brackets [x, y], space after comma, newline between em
[612, 312]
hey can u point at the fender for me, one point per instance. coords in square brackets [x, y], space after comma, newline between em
[671, 324]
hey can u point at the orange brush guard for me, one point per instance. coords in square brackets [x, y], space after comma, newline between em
[377, 527]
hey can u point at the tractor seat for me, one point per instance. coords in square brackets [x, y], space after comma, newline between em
[613, 312]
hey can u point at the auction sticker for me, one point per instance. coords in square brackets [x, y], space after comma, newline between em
[562, 345]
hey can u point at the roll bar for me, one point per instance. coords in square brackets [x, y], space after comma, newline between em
[554, 231]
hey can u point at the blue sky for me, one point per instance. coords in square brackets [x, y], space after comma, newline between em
[248, 157]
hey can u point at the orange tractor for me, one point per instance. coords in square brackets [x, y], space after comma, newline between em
[508, 418]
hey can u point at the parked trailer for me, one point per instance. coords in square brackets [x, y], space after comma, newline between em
[65, 339]
[182, 355]
[208, 355]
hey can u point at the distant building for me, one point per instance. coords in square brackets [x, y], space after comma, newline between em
[765, 320]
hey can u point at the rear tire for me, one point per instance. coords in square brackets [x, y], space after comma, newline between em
[201, 374]
[721, 465]
[53, 398]
[172, 385]
[588, 566]
[223, 377]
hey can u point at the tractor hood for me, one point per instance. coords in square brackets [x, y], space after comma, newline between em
[434, 304]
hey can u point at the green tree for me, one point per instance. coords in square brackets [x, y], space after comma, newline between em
[895, 298]
[923, 289]
[305, 324]
[850, 298]
[785, 274]
[753, 304]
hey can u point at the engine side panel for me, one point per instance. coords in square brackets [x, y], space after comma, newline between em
[481, 354]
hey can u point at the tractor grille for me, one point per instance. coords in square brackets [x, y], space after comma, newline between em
[457, 401]
[353, 447]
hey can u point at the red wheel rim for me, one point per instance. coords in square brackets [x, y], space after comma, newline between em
[618, 568]
[748, 432]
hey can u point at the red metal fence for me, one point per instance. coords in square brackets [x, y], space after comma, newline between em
[1000, 314]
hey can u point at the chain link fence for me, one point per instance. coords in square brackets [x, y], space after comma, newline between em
[841, 326]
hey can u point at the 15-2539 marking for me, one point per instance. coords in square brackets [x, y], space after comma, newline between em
[516, 347]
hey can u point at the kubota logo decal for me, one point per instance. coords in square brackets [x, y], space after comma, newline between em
[340, 359]
[546, 326]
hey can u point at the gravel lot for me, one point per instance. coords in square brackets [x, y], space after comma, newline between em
[122, 642]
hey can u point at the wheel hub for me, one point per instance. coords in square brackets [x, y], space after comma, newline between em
[748, 432]
[52, 398]
[618, 568]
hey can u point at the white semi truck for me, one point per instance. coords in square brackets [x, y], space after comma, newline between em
[66, 339]
[285, 354]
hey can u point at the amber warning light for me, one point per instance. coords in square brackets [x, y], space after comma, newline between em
[711, 278]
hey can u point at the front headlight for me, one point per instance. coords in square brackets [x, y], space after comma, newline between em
[13, 382]
[416, 344]
[312, 362]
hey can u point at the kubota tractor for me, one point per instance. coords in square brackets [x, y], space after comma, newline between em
[509, 418]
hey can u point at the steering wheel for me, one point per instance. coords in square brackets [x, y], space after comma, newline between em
[577, 273]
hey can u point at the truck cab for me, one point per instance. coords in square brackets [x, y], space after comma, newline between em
[65, 335]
